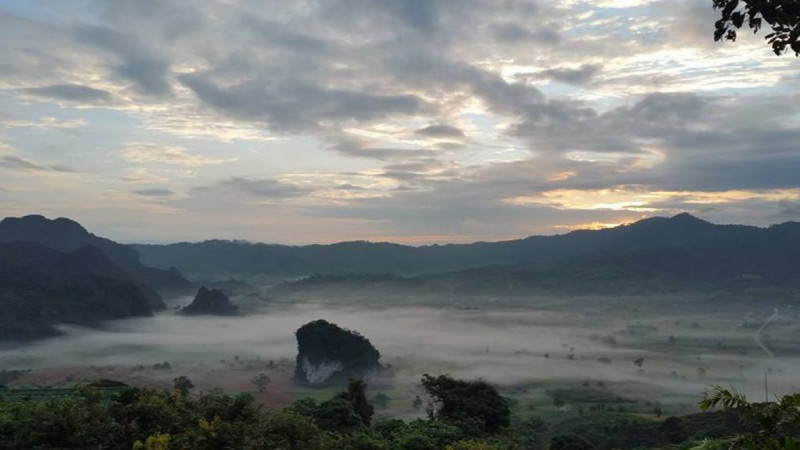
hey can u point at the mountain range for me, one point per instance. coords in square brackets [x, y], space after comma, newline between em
[677, 251]
[55, 271]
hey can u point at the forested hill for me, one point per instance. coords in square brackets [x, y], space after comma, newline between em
[65, 235]
[663, 240]
[41, 287]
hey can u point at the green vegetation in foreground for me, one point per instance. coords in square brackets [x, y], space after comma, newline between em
[462, 415]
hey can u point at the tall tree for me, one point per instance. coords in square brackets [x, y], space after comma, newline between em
[782, 15]
[356, 395]
[470, 405]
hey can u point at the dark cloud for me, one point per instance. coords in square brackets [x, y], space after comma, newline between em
[295, 104]
[440, 131]
[140, 64]
[71, 92]
[289, 39]
[419, 16]
[351, 147]
[155, 192]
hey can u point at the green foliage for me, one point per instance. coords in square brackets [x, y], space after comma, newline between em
[145, 419]
[778, 421]
[474, 406]
[426, 435]
[356, 396]
[569, 443]
[158, 441]
[782, 15]
[286, 430]
[337, 415]
[471, 445]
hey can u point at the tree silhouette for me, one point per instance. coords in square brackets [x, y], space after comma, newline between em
[261, 381]
[356, 395]
[183, 385]
[470, 405]
[782, 15]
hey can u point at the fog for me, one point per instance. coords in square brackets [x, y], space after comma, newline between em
[510, 347]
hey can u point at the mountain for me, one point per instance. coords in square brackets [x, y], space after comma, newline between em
[66, 236]
[649, 240]
[210, 302]
[682, 253]
[41, 287]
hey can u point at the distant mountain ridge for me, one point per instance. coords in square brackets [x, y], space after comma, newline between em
[678, 254]
[658, 235]
[66, 235]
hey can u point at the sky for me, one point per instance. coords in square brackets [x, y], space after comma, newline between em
[411, 121]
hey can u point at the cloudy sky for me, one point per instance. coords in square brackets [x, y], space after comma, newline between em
[413, 121]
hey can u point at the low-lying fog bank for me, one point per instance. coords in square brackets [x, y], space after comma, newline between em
[681, 356]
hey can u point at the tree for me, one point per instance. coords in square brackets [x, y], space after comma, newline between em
[778, 421]
[183, 385]
[782, 15]
[473, 406]
[261, 381]
[290, 431]
[356, 396]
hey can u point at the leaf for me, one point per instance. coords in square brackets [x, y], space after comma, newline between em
[738, 19]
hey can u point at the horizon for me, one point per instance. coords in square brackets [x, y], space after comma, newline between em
[245, 241]
[406, 122]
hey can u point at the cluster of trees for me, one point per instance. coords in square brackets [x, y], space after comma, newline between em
[462, 415]
[147, 419]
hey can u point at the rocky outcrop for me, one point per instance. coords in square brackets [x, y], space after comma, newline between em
[328, 354]
[210, 302]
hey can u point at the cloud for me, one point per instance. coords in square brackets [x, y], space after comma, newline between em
[139, 152]
[267, 188]
[140, 64]
[297, 105]
[510, 32]
[440, 131]
[44, 123]
[578, 76]
[434, 105]
[356, 148]
[155, 192]
[18, 163]
[72, 93]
